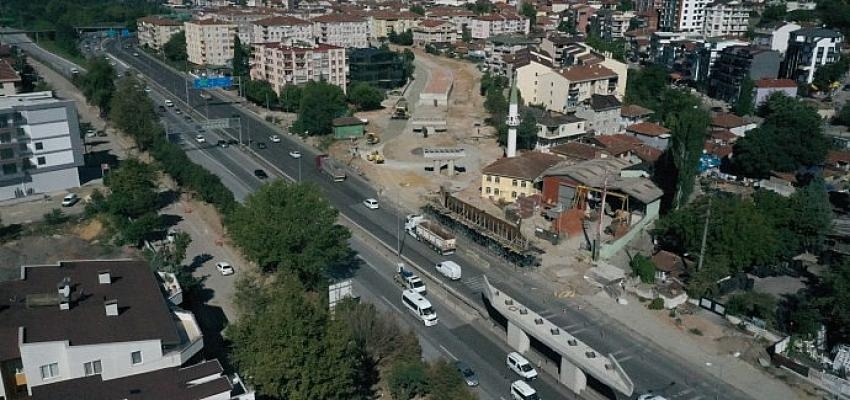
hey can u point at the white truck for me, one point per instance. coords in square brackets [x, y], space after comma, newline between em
[408, 280]
[437, 238]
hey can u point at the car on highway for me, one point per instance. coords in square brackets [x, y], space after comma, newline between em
[274, 139]
[169, 103]
[469, 376]
[261, 145]
[101, 133]
[371, 204]
[225, 268]
[70, 199]
[222, 143]
[177, 111]
[295, 154]
[260, 174]
[161, 108]
[187, 117]
[147, 89]
[523, 391]
[519, 364]
[650, 396]
[75, 71]
[135, 54]
[232, 142]
[200, 139]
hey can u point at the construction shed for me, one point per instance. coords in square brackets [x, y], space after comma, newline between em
[348, 127]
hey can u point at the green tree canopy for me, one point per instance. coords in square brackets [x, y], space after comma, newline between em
[132, 111]
[643, 268]
[290, 98]
[365, 97]
[175, 49]
[416, 8]
[321, 102]
[97, 84]
[132, 189]
[527, 10]
[260, 92]
[744, 105]
[290, 228]
[240, 57]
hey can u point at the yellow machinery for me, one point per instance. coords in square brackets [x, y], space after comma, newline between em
[372, 138]
[375, 157]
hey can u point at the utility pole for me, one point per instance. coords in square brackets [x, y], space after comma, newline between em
[601, 215]
[704, 234]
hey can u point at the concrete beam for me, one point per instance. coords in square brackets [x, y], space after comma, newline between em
[518, 339]
[572, 376]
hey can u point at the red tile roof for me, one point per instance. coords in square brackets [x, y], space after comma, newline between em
[527, 166]
[775, 83]
[284, 20]
[648, 129]
[836, 156]
[433, 23]
[634, 111]
[7, 73]
[617, 144]
[587, 73]
[449, 12]
[724, 135]
[667, 261]
[337, 18]
[721, 151]
[647, 153]
[727, 121]
[578, 151]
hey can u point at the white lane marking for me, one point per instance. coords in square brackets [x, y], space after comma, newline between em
[393, 305]
[448, 352]
[624, 359]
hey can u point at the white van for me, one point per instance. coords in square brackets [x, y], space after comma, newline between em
[522, 391]
[169, 103]
[521, 366]
[419, 306]
[449, 269]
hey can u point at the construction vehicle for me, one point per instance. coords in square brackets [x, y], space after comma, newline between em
[437, 238]
[375, 157]
[401, 111]
[372, 138]
[327, 165]
[408, 280]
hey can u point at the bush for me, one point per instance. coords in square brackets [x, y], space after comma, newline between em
[656, 304]
[407, 380]
[643, 268]
[695, 331]
[55, 217]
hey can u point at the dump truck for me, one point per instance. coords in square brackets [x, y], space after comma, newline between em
[408, 280]
[372, 138]
[433, 235]
[326, 164]
[401, 111]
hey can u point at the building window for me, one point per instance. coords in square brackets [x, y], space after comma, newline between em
[513, 195]
[522, 183]
[487, 190]
[497, 179]
[6, 154]
[514, 182]
[489, 178]
[9, 169]
[5, 138]
[49, 371]
[136, 357]
[39, 146]
[496, 191]
[41, 160]
[93, 368]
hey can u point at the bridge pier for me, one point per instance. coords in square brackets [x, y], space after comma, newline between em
[518, 339]
[572, 376]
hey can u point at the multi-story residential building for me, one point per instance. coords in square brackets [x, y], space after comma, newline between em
[99, 330]
[283, 65]
[282, 29]
[382, 22]
[563, 90]
[611, 24]
[774, 36]
[563, 49]
[602, 113]
[10, 80]
[40, 145]
[579, 15]
[737, 63]
[808, 50]
[763, 88]
[555, 128]
[341, 30]
[210, 42]
[459, 16]
[243, 18]
[726, 18]
[682, 15]
[434, 31]
[504, 23]
[156, 32]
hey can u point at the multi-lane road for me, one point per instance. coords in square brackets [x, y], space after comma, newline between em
[650, 366]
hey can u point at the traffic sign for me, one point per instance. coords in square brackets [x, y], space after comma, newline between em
[221, 123]
[125, 33]
[206, 82]
[111, 33]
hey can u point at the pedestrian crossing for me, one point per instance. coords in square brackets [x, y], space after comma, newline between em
[476, 283]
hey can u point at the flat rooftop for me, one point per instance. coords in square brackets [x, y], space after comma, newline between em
[440, 81]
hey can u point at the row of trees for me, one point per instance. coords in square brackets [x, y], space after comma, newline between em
[98, 84]
[403, 39]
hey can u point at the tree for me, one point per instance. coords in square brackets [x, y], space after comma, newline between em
[416, 8]
[812, 214]
[288, 347]
[321, 102]
[403, 39]
[97, 84]
[407, 380]
[744, 105]
[773, 13]
[133, 192]
[132, 111]
[240, 57]
[290, 98]
[616, 47]
[133, 232]
[527, 10]
[567, 26]
[444, 382]
[527, 130]
[832, 296]
[260, 93]
[175, 48]
[645, 87]
[843, 116]
[753, 304]
[378, 333]
[828, 74]
[643, 268]
[290, 228]
[365, 97]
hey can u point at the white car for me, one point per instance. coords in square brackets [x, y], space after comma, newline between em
[91, 133]
[135, 54]
[521, 366]
[70, 199]
[225, 268]
[371, 204]
[295, 154]
[147, 89]
[200, 139]
[651, 396]
[274, 139]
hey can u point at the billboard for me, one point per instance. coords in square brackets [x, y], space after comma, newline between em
[206, 82]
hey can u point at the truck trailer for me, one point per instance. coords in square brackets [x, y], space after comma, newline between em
[436, 237]
[325, 164]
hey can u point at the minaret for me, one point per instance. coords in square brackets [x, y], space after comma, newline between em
[513, 119]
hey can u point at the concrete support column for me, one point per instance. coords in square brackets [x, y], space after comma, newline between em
[571, 376]
[437, 167]
[518, 339]
[451, 168]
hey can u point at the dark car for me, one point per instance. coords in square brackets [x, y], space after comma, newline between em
[846, 88]
[469, 376]
[161, 108]
[260, 174]
[232, 142]
[222, 143]
[261, 145]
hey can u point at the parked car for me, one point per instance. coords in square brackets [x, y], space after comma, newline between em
[295, 154]
[449, 269]
[261, 145]
[371, 204]
[519, 364]
[274, 139]
[91, 133]
[222, 143]
[200, 139]
[232, 142]
[101, 133]
[171, 235]
[469, 376]
[177, 111]
[260, 174]
[225, 268]
[70, 199]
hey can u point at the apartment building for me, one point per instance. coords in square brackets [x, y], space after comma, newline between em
[580, 15]
[156, 32]
[737, 63]
[554, 129]
[434, 31]
[459, 16]
[282, 29]
[764, 88]
[341, 30]
[564, 89]
[40, 145]
[611, 24]
[682, 15]
[242, 17]
[809, 49]
[10, 80]
[89, 328]
[504, 23]
[774, 36]
[563, 49]
[210, 42]
[382, 22]
[282, 65]
[510, 178]
[726, 18]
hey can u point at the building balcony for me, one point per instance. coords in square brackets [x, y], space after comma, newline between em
[191, 338]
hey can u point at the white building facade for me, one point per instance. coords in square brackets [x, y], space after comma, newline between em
[210, 42]
[282, 29]
[505, 23]
[156, 32]
[283, 65]
[726, 18]
[808, 50]
[341, 30]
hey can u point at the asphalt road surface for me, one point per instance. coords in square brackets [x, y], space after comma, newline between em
[649, 365]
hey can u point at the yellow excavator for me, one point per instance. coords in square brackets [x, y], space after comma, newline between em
[375, 157]
[372, 138]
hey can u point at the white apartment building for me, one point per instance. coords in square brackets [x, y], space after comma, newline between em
[92, 327]
[382, 22]
[40, 145]
[156, 32]
[282, 29]
[726, 18]
[341, 30]
[459, 16]
[243, 18]
[809, 49]
[283, 65]
[210, 42]
[504, 23]
[434, 31]
[10, 80]
[612, 25]
[564, 89]
[682, 15]
[775, 37]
